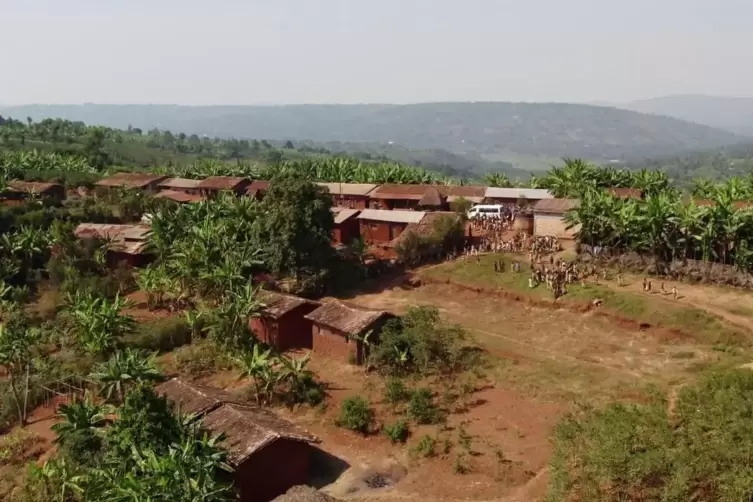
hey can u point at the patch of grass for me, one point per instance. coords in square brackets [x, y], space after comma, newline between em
[201, 359]
[426, 447]
[15, 447]
[421, 407]
[395, 390]
[633, 306]
[397, 432]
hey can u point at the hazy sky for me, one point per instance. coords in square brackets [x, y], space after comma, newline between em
[349, 51]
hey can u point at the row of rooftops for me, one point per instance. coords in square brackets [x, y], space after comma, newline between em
[475, 193]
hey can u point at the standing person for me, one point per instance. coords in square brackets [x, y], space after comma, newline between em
[645, 284]
[674, 292]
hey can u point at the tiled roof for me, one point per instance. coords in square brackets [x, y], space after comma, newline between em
[391, 216]
[394, 191]
[130, 239]
[180, 183]
[342, 214]
[180, 196]
[133, 180]
[256, 187]
[345, 318]
[466, 191]
[277, 305]
[475, 200]
[192, 399]
[222, 182]
[555, 206]
[33, 186]
[361, 189]
[248, 429]
[516, 193]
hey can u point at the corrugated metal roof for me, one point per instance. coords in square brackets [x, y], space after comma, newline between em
[133, 180]
[466, 191]
[180, 196]
[349, 319]
[555, 206]
[475, 200]
[130, 239]
[222, 182]
[277, 305]
[180, 183]
[193, 399]
[33, 186]
[248, 429]
[361, 189]
[515, 193]
[342, 214]
[396, 216]
[402, 192]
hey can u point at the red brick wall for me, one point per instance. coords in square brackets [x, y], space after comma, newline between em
[291, 331]
[332, 344]
[346, 232]
[273, 470]
[350, 201]
[378, 232]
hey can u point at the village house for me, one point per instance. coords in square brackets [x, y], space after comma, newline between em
[282, 323]
[268, 454]
[472, 193]
[18, 191]
[344, 331]
[549, 218]
[347, 228]
[380, 226]
[256, 189]
[349, 195]
[127, 243]
[213, 185]
[412, 197]
[145, 182]
[530, 196]
[180, 196]
[184, 185]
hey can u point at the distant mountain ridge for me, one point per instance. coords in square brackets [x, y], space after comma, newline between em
[487, 129]
[731, 113]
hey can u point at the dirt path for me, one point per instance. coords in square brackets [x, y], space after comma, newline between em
[701, 297]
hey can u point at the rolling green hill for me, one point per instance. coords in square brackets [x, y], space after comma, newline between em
[486, 130]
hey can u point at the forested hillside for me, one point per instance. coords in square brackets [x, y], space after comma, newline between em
[733, 114]
[492, 130]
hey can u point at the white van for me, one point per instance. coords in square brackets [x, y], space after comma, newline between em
[488, 211]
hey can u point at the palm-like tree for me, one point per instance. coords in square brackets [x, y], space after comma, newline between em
[80, 416]
[123, 370]
[260, 366]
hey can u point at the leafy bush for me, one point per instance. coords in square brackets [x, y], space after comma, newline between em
[419, 342]
[15, 448]
[397, 432]
[701, 450]
[201, 359]
[426, 447]
[162, 335]
[395, 390]
[421, 407]
[355, 415]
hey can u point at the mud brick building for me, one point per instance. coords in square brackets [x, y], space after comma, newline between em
[148, 183]
[380, 226]
[283, 323]
[349, 195]
[549, 217]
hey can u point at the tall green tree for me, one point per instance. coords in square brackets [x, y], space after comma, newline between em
[296, 229]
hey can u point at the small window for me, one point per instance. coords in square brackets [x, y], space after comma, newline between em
[373, 226]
